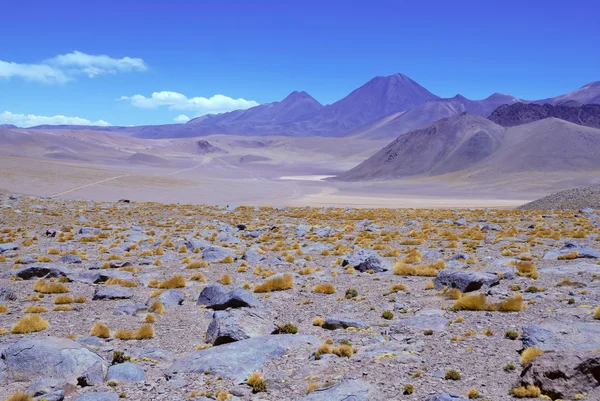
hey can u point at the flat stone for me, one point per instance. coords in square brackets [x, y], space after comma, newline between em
[348, 390]
[216, 253]
[41, 270]
[216, 296]
[70, 259]
[238, 324]
[365, 259]
[429, 319]
[126, 372]
[9, 246]
[445, 397]
[465, 281]
[99, 396]
[112, 292]
[562, 336]
[171, 298]
[339, 322]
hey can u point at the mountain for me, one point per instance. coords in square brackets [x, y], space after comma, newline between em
[292, 108]
[447, 145]
[587, 94]
[484, 150]
[431, 111]
[521, 113]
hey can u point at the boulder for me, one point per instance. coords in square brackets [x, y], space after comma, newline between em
[9, 246]
[571, 246]
[112, 292]
[157, 354]
[564, 374]
[48, 358]
[217, 297]
[466, 281]
[554, 335]
[70, 259]
[7, 294]
[354, 390]
[216, 253]
[238, 359]
[126, 372]
[339, 322]
[93, 376]
[41, 270]
[48, 389]
[445, 397]
[365, 259]
[130, 309]
[252, 256]
[99, 396]
[428, 319]
[238, 324]
[170, 298]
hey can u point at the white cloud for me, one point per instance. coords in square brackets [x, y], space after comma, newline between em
[182, 118]
[199, 105]
[31, 120]
[65, 67]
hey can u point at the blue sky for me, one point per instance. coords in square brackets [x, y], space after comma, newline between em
[259, 51]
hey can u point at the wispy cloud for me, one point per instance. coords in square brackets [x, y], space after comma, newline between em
[65, 67]
[198, 105]
[31, 120]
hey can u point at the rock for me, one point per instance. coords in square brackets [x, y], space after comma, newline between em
[571, 246]
[7, 294]
[217, 297]
[130, 309]
[445, 397]
[170, 298]
[338, 322]
[70, 259]
[216, 253]
[587, 210]
[9, 246]
[365, 259]
[252, 256]
[564, 374]
[238, 324]
[238, 359]
[241, 227]
[348, 390]
[41, 270]
[100, 396]
[93, 376]
[197, 244]
[466, 281]
[489, 227]
[112, 292]
[88, 231]
[49, 389]
[428, 319]
[562, 336]
[48, 357]
[126, 372]
[157, 354]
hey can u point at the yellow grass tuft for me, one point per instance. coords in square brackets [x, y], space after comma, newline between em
[597, 313]
[196, 265]
[63, 299]
[62, 308]
[144, 332]
[121, 282]
[176, 281]
[527, 269]
[226, 279]
[529, 354]
[19, 396]
[279, 283]
[198, 277]
[49, 287]
[526, 392]
[29, 324]
[397, 287]
[478, 302]
[324, 288]
[569, 256]
[256, 381]
[157, 307]
[3, 308]
[100, 329]
[35, 309]
[150, 318]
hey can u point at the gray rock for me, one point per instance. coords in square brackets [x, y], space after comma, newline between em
[252, 256]
[70, 259]
[130, 309]
[445, 397]
[48, 357]
[112, 292]
[339, 322]
[216, 253]
[562, 336]
[587, 210]
[582, 252]
[49, 389]
[564, 374]
[171, 298]
[41, 270]
[7, 294]
[464, 280]
[489, 227]
[238, 324]
[217, 297]
[193, 244]
[157, 354]
[99, 396]
[429, 319]
[348, 390]
[365, 259]
[238, 359]
[126, 372]
[89, 231]
[93, 376]
[301, 230]
[9, 246]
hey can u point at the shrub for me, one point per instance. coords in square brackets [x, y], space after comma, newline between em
[343, 350]
[256, 381]
[176, 281]
[472, 393]
[408, 389]
[144, 332]
[100, 330]
[351, 293]
[429, 285]
[121, 282]
[526, 392]
[509, 367]
[478, 302]
[397, 287]
[529, 354]
[597, 313]
[287, 328]
[157, 307]
[150, 318]
[279, 283]
[527, 269]
[196, 265]
[3, 308]
[511, 335]
[452, 375]
[428, 332]
[35, 309]
[49, 287]
[80, 299]
[63, 299]
[324, 288]
[62, 308]
[19, 396]
[29, 324]
[318, 321]
[226, 279]
[387, 314]
[198, 277]
[119, 357]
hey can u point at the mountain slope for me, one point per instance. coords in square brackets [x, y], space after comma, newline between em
[448, 145]
[521, 113]
[587, 94]
[431, 111]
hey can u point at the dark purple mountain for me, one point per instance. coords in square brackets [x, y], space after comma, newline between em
[521, 113]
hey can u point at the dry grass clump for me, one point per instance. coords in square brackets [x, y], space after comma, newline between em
[526, 268]
[478, 302]
[62, 308]
[260, 271]
[569, 256]
[3, 308]
[63, 299]
[397, 287]
[279, 283]
[226, 279]
[35, 309]
[49, 287]
[256, 381]
[324, 288]
[29, 324]
[150, 318]
[100, 330]
[306, 271]
[198, 277]
[529, 354]
[176, 281]
[196, 265]
[343, 351]
[121, 282]
[427, 270]
[472, 393]
[144, 332]
[528, 391]
[597, 313]
[157, 307]
[318, 321]
[19, 396]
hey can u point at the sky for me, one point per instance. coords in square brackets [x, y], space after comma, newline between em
[136, 63]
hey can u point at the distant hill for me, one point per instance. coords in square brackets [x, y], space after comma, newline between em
[521, 113]
[571, 199]
[483, 150]
[587, 94]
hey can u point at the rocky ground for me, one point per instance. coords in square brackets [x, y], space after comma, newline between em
[571, 199]
[148, 301]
